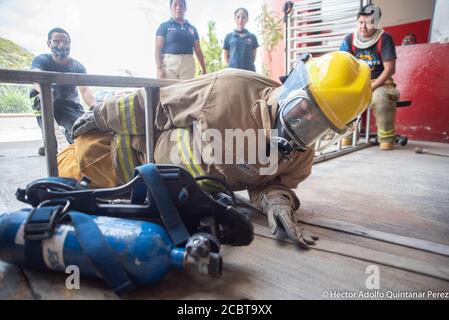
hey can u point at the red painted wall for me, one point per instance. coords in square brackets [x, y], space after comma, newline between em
[422, 76]
[420, 28]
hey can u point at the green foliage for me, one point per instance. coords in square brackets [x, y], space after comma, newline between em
[212, 51]
[270, 27]
[12, 56]
[14, 99]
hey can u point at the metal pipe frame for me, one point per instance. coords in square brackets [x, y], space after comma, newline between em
[47, 79]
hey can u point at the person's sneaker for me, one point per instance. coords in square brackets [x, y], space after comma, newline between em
[346, 142]
[386, 146]
[41, 151]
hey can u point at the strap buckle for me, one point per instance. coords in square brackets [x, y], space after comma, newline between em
[42, 221]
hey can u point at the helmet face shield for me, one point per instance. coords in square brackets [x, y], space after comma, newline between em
[303, 121]
[322, 95]
[298, 79]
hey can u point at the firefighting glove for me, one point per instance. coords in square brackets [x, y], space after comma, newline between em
[87, 122]
[278, 206]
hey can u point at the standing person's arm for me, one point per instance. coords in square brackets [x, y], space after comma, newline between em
[226, 56]
[37, 65]
[36, 86]
[345, 45]
[85, 91]
[226, 48]
[87, 95]
[160, 42]
[255, 46]
[388, 58]
[389, 71]
[199, 55]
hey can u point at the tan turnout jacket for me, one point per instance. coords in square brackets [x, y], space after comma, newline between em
[226, 102]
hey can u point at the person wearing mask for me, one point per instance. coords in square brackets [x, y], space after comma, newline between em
[65, 97]
[176, 41]
[240, 46]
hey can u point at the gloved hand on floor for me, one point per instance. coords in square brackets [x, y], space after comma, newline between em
[86, 123]
[278, 205]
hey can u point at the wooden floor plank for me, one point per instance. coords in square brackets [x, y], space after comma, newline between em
[374, 256]
[13, 284]
[265, 270]
[395, 193]
[351, 228]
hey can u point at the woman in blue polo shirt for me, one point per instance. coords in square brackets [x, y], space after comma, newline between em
[176, 40]
[240, 46]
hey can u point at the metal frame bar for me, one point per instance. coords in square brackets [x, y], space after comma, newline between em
[47, 79]
[323, 156]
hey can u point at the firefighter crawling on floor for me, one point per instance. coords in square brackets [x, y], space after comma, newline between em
[324, 94]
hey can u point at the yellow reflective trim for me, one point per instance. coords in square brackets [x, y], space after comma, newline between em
[130, 153]
[183, 140]
[181, 153]
[189, 149]
[132, 115]
[122, 114]
[386, 134]
[121, 159]
[210, 186]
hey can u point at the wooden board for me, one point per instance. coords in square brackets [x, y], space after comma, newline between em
[13, 284]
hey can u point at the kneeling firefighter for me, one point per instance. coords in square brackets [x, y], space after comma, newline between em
[321, 95]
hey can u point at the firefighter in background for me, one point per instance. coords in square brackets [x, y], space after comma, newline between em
[319, 96]
[374, 46]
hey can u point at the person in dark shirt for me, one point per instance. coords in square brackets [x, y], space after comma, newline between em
[176, 40]
[373, 45]
[240, 46]
[66, 104]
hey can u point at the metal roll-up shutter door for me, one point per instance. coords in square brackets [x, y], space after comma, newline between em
[318, 26]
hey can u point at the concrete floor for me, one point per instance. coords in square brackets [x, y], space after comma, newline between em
[396, 192]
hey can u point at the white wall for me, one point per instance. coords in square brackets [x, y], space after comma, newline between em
[396, 12]
[440, 22]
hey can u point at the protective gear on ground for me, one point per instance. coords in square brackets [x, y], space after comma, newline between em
[279, 208]
[323, 94]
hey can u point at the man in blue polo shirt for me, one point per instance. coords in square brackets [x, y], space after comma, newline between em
[176, 40]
